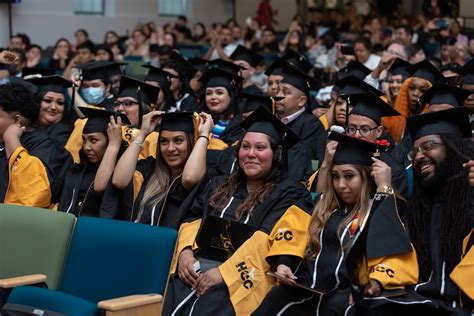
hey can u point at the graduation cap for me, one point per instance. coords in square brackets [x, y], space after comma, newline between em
[245, 54]
[263, 121]
[94, 70]
[254, 101]
[442, 93]
[425, 70]
[158, 74]
[130, 87]
[354, 151]
[50, 83]
[114, 68]
[215, 77]
[298, 60]
[399, 67]
[29, 72]
[140, 91]
[199, 63]
[352, 85]
[356, 69]
[453, 121]
[225, 65]
[467, 72]
[178, 122]
[276, 68]
[298, 79]
[184, 64]
[98, 119]
[371, 106]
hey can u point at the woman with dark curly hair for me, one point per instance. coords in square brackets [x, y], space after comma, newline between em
[241, 218]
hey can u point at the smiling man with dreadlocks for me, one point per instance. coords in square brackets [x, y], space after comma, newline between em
[440, 215]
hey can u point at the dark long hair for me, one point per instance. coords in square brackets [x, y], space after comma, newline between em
[39, 98]
[455, 224]
[221, 196]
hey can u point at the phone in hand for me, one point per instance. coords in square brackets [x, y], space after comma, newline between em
[347, 50]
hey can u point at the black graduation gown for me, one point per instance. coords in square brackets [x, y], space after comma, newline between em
[438, 295]
[169, 212]
[311, 146]
[60, 131]
[52, 155]
[187, 104]
[263, 218]
[234, 131]
[333, 271]
[78, 196]
[402, 172]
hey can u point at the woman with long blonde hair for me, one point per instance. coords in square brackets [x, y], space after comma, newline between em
[354, 235]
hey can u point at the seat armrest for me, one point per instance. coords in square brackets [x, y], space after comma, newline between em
[22, 280]
[131, 301]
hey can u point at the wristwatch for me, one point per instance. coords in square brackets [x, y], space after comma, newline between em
[385, 189]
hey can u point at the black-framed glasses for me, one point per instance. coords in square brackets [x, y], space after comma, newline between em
[364, 130]
[424, 148]
[125, 104]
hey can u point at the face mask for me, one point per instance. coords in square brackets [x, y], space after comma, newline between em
[4, 81]
[93, 95]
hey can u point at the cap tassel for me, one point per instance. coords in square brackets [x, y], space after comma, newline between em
[273, 105]
[140, 106]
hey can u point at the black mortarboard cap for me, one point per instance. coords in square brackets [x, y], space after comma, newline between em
[50, 83]
[130, 87]
[356, 69]
[245, 54]
[276, 68]
[371, 106]
[98, 119]
[187, 67]
[298, 60]
[442, 93]
[453, 121]
[352, 85]
[399, 67]
[425, 70]
[37, 72]
[199, 63]
[354, 151]
[178, 122]
[94, 70]
[158, 74]
[254, 101]
[467, 72]
[215, 77]
[263, 121]
[225, 65]
[113, 68]
[298, 79]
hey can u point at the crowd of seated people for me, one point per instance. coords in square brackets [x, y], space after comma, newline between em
[325, 171]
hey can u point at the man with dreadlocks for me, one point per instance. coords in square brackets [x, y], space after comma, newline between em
[440, 215]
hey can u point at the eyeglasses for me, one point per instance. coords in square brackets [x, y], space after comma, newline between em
[423, 148]
[125, 104]
[364, 130]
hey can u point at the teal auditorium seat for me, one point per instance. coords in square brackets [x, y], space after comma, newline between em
[107, 259]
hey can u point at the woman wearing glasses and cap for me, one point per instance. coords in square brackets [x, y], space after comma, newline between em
[240, 217]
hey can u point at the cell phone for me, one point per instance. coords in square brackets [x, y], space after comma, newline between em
[197, 267]
[347, 50]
